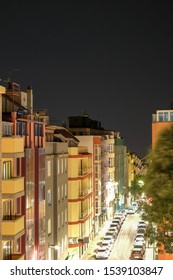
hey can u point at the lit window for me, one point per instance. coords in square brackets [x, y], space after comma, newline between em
[49, 226]
[49, 199]
[62, 165]
[48, 168]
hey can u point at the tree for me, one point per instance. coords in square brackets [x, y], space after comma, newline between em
[158, 187]
[136, 188]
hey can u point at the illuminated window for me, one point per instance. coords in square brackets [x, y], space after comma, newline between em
[65, 215]
[65, 190]
[48, 168]
[65, 163]
[62, 192]
[49, 198]
[58, 167]
[49, 226]
[6, 170]
[62, 165]
[58, 193]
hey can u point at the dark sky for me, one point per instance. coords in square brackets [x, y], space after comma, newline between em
[112, 59]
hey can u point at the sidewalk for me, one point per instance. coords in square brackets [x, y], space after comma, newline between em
[89, 254]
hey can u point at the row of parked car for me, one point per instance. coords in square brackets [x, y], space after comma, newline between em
[139, 246]
[107, 242]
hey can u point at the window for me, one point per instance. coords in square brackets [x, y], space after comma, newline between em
[49, 198]
[62, 192]
[66, 216]
[65, 163]
[58, 221]
[6, 170]
[62, 218]
[58, 167]
[21, 128]
[171, 116]
[58, 193]
[65, 190]
[7, 129]
[62, 165]
[49, 227]
[48, 168]
[163, 116]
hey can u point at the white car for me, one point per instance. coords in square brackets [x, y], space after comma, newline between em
[140, 238]
[120, 215]
[102, 253]
[112, 231]
[107, 244]
[108, 239]
[131, 211]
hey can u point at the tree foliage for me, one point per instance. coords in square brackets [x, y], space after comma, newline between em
[136, 188]
[158, 187]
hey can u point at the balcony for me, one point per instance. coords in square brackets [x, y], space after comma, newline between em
[17, 257]
[12, 227]
[83, 193]
[13, 146]
[13, 187]
[85, 171]
[83, 214]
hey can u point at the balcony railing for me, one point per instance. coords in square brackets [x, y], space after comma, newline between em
[11, 145]
[17, 257]
[13, 185]
[83, 193]
[84, 171]
[12, 225]
[83, 214]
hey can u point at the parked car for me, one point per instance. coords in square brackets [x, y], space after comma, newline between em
[136, 254]
[107, 243]
[117, 220]
[140, 245]
[142, 222]
[109, 239]
[114, 231]
[115, 226]
[141, 230]
[121, 215]
[140, 238]
[131, 210]
[102, 253]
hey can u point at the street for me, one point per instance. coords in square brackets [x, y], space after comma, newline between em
[124, 242]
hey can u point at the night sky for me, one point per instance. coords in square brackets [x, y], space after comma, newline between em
[112, 59]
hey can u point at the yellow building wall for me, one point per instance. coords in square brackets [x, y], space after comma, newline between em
[73, 189]
[12, 145]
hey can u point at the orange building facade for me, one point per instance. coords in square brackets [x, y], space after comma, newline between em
[161, 120]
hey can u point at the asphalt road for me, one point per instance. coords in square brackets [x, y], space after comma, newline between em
[124, 242]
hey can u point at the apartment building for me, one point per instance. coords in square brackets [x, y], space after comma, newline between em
[58, 140]
[121, 171]
[29, 163]
[101, 144]
[80, 200]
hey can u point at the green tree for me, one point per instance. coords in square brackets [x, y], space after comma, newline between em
[158, 187]
[136, 188]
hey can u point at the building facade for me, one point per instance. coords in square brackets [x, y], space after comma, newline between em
[161, 120]
[80, 200]
[57, 141]
[17, 112]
